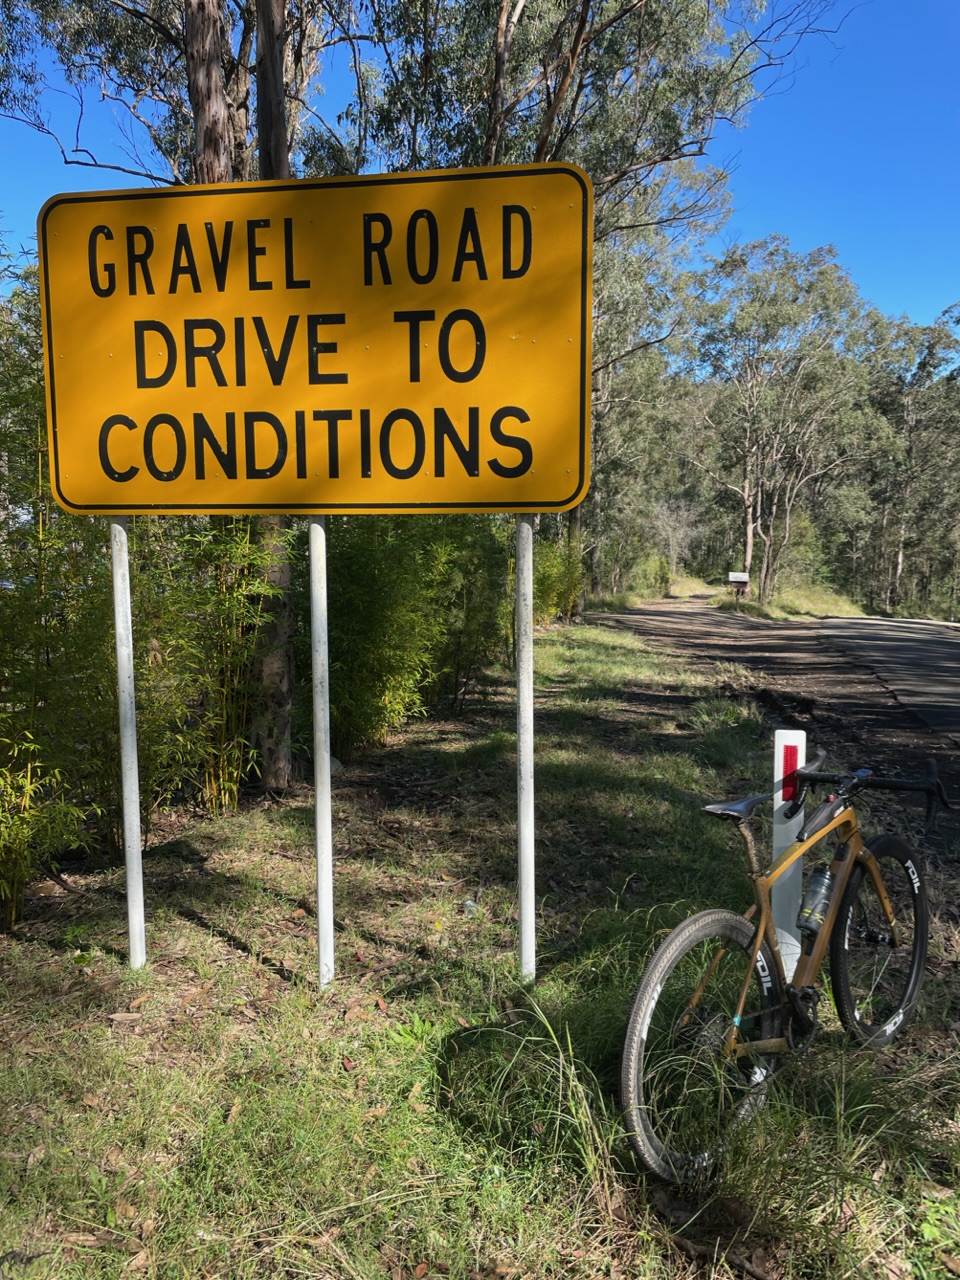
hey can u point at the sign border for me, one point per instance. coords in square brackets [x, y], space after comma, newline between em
[300, 184]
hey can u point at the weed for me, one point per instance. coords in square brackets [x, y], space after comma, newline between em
[417, 1033]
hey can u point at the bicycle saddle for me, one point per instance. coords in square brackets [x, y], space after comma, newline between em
[736, 810]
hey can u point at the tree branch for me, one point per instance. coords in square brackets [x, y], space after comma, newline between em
[151, 21]
[93, 162]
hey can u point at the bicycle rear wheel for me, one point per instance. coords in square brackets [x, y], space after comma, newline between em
[681, 1090]
[876, 981]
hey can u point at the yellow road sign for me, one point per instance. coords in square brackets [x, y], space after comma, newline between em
[390, 343]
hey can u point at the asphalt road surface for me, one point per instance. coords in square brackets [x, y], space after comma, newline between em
[919, 662]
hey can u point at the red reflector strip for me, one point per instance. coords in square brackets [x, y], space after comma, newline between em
[791, 758]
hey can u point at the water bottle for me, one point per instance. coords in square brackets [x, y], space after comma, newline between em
[815, 901]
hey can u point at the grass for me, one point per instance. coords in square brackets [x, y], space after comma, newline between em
[809, 600]
[612, 602]
[817, 602]
[685, 586]
[217, 1115]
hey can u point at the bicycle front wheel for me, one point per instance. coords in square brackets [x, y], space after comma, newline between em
[877, 968]
[681, 1087]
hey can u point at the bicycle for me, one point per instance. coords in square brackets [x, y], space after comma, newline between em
[715, 1014]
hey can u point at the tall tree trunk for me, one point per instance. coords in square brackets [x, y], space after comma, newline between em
[214, 163]
[510, 11]
[749, 526]
[271, 95]
[575, 547]
[596, 549]
[272, 732]
[208, 99]
[903, 524]
[897, 588]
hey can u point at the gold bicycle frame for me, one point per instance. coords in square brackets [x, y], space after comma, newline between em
[851, 851]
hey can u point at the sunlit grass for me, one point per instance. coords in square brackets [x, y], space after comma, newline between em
[218, 1115]
[809, 601]
[685, 586]
[818, 602]
[612, 602]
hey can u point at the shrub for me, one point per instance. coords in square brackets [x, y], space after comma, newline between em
[37, 821]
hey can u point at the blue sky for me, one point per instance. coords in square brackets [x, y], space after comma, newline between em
[859, 147]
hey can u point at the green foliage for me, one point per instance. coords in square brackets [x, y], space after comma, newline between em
[198, 593]
[57, 668]
[621, 602]
[37, 821]
[418, 1032]
[418, 606]
[774, 351]
[476, 603]
[804, 559]
[520, 1086]
[902, 554]
[57, 686]
[650, 576]
[939, 1231]
[385, 579]
[557, 580]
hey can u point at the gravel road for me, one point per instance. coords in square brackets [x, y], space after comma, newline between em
[885, 697]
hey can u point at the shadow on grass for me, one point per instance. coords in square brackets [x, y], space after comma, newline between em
[177, 880]
[519, 1085]
[616, 835]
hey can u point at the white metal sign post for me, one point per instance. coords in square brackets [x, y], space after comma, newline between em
[323, 798]
[129, 772]
[525, 807]
[789, 755]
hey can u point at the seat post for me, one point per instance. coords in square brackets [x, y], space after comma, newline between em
[753, 862]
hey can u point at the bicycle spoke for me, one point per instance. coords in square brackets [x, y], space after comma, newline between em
[877, 970]
[684, 1084]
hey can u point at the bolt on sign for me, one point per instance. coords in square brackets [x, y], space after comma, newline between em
[376, 344]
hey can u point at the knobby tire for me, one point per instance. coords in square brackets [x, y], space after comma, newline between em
[681, 1093]
[876, 984]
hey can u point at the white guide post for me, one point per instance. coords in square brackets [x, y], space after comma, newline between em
[129, 771]
[320, 660]
[789, 754]
[525, 813]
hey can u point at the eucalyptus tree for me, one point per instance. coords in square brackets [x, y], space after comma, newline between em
[631, 90]
[912, 555]
[776, 352]
[182, 76]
